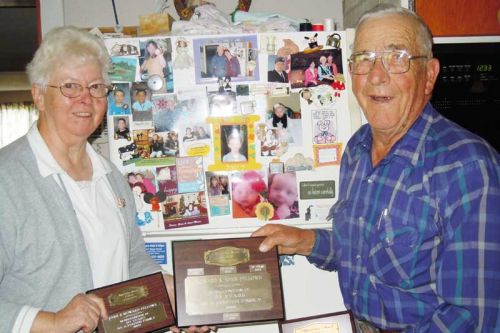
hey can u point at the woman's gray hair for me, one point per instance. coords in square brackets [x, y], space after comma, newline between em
[424, 33]
[66, 45]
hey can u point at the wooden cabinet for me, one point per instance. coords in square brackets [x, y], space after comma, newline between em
[460, 17]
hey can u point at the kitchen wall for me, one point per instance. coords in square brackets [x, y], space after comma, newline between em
[91, 13]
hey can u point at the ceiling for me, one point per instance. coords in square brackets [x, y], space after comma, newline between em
[18, 34]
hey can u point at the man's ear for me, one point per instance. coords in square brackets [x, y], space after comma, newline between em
[432, 68]
[38, 97]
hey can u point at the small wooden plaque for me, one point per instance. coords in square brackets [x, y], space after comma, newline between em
[338, 322]
[139, 305]
[226, 282]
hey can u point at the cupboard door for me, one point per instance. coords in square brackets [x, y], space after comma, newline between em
[460, 17]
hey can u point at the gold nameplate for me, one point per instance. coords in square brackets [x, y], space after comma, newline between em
[128, 295]
[228, 293]
[319, 328]
[134, 318]
[227, 256]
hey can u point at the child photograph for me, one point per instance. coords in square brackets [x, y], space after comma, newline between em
[283, 195]
[119, 100]
[122, 129]
[142, 107]
[156, 60]
[248, 189]
[284, 115]
[234, 145]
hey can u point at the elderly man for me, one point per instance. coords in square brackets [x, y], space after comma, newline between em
[416, 229]
[278, 74]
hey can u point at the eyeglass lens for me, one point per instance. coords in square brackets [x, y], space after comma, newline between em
[97, 90]
[394, 62]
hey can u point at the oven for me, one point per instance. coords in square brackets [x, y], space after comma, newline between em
[467, 90]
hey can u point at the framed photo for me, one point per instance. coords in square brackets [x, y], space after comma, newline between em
[234, 143]
[222, 57]
[329, 154]
[338, 322]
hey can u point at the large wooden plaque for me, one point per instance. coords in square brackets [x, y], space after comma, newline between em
[226, 282]
[139, 305]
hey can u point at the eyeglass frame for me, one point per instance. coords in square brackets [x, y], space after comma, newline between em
[379, 55]
[110, 88]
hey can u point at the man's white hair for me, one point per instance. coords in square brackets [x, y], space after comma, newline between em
[423, 33]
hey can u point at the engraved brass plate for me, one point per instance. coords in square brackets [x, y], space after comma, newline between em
[134, 318]
[228, 293]
[227, 256]
[128, 295]
[319, 328]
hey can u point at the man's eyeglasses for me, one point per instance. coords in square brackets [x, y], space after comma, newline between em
[395, 62]
[73, 90]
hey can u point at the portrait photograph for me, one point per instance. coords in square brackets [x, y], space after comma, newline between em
[316, 68]
[119, 100]
[284, 115]
[121, 128]
[234, 143]
[248, 190]
[142, 106]
[156, 65]
[234, 57]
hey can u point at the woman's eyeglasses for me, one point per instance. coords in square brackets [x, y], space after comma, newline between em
[73, 90]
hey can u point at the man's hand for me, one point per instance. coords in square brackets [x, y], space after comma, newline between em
[169, 283]
[290, 240]
[81, 313]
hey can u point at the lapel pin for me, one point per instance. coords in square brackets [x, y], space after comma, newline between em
[121, 202]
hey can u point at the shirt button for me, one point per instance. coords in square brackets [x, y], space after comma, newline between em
[372, 279]
[358, 256]
[354, 292]
[361, 219]
[369, 180]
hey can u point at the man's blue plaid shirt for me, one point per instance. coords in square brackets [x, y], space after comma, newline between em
[416, 239]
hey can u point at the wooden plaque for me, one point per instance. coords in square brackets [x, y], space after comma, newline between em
[226, 282]
[139, 305]
[338, 322]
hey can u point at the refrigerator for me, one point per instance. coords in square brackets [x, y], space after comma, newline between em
[219, 135]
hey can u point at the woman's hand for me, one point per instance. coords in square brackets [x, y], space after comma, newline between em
[81, 313]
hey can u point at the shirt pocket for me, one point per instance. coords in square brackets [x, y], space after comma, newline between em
[402, 243]
[346, 228]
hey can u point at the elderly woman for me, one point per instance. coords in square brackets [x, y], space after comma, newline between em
[67, 213]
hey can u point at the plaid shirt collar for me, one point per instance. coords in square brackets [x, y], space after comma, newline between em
[408, 148]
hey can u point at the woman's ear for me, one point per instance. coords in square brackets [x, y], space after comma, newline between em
[38, 97]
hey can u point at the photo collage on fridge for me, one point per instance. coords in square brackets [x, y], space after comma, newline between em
[239, 129]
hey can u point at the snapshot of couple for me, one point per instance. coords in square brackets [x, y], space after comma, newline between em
[232, 57]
